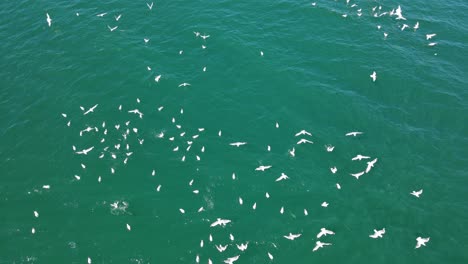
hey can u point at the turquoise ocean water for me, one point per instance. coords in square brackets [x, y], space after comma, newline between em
[313, 75]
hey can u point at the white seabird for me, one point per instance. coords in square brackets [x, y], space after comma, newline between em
[238, 144]
[221, 248]
[357, 175]
[373, 76]
[370, 164]
[417, 193]
[360, 157]
[421, 241]
[112, 28]
[49, 20]
[378, 233]
[319, 244]
[303, 140]
[354, 133]
[282, 177]
[324, 232]
[231, 260]
[262, 168]
[91, 109]
[221, 222]
[303, 132]
[292, 236]
[242, 247]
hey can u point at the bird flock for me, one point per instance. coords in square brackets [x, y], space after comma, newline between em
[118, 141]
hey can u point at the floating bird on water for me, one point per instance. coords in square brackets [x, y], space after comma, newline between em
[421, 241]
[329, 148]
[36, 214]
[324, 204]
[378, 233]
[333, 170]
[417, 193]
[129, 227]
[156, 79]
[270, 255]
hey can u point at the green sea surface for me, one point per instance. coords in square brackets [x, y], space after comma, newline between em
[313, 75]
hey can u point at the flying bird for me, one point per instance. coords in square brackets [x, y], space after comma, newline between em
[357, 175]
[378, 233]
[242, 247]
[319, 244]
[429, 36]
[421, 241]
[417, 193]
[360, 157]
[221, 222]
[91, 109]
[353, 133]
[184, 84]
[150, 6]
[49, 20]
[221, 248]
[373, 76]
[292, 236]
[370, 164]
[282, 177]
[238, 144]
[303, 132]
[303, 140]
[324, 232]
[262, 168]
[231, 260]
[112, 28]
